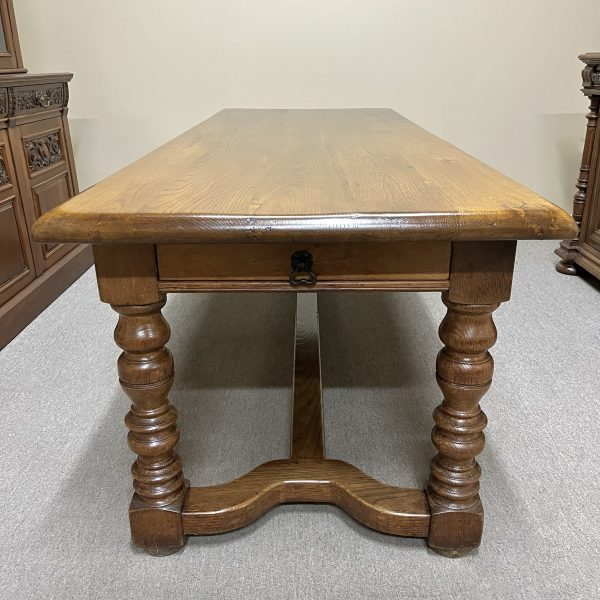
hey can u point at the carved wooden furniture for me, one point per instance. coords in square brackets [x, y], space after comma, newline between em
[304, 201]
[37, 172]
[584, 250]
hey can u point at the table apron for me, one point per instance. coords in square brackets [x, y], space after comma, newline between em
[392, 266]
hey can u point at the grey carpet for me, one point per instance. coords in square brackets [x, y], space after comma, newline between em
[64, 462]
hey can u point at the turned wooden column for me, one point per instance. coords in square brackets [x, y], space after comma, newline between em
[464, 373]
[568, 248]
[127, 280]
[480, 279]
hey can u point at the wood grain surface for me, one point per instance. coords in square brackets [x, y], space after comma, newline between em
[305, 175]
[229, 506]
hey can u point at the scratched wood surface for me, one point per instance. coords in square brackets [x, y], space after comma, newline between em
[291, 175]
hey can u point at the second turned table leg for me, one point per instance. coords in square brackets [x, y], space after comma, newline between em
[146, 374]
[464, 374]
[128, 281]
[480, 279]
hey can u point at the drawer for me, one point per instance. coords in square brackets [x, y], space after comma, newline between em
[360, 261]
[39, 98]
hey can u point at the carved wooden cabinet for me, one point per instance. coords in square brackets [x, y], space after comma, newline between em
[36, 174]
[585, 250]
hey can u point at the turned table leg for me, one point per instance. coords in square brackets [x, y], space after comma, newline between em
[480, 278]
[128, 281]
[464, 373]
[146, 374]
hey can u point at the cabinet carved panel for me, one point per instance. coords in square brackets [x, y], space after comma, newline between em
[43, 151]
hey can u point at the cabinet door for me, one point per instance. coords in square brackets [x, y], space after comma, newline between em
[16, 261]
[45, 177]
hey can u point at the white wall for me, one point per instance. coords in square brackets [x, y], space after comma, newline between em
[498, 78]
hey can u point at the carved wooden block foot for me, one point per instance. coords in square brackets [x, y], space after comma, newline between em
[159, 531]
[454, 533]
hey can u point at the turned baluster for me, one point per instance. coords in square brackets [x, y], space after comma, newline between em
[128, 281]
[464, 373]
[584, 172]
[146, 374]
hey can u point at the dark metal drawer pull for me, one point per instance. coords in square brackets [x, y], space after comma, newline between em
[302, 263]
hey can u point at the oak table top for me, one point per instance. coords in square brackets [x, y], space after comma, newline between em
[305, 175]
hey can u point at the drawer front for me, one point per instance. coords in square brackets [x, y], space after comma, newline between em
[43, 160]
[364, 261]
[38, 98]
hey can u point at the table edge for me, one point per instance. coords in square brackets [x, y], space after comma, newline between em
[59, 226]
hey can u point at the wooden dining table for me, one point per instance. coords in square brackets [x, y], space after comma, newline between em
[306, 201]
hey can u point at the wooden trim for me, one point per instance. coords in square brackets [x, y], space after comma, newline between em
[68, 145]
[326, 286]
[108, 228]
